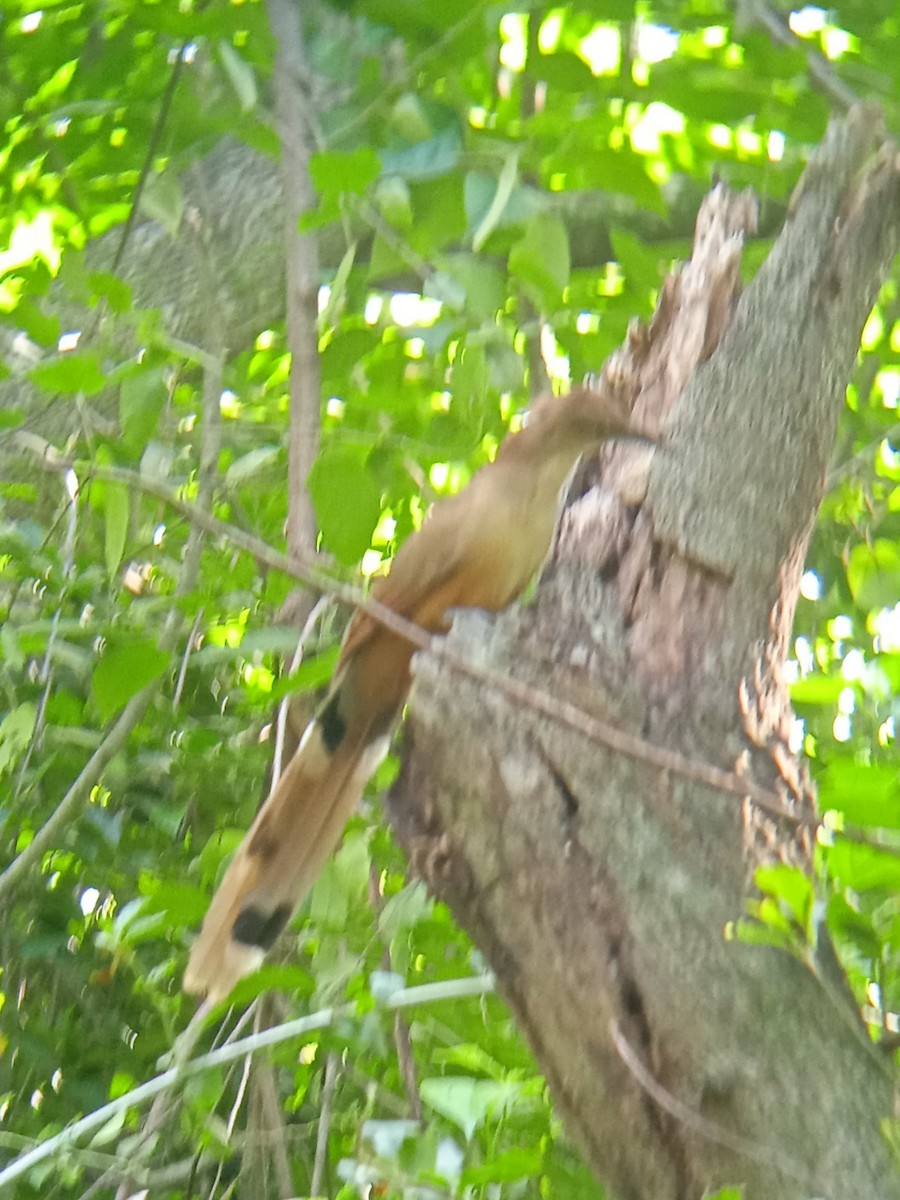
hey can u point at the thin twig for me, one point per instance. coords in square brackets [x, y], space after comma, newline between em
[271, 1132]
[428, 993]
[406, 1060]
[135, 709]
[413, 68]
[298, 141]
[820, 69]
[232, 1119]
[702, 1126]
[849, 465]
[154, 1181]
[332, 1065]
[46, 672]
[239, 1098]
[185, 659]
[67, 809]
[590, 727]
[207, 475]
[152, 145]
[402, 1042]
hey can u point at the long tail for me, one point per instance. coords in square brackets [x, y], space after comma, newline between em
[286, 847]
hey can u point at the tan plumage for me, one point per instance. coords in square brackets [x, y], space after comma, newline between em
[477, 549]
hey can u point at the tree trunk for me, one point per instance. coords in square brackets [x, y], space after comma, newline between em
[599, 886]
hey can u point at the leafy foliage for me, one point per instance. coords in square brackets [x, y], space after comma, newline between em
[458, 147]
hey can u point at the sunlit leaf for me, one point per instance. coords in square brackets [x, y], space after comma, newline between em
[336, 171]
[70, 374]
[241, 75]
[116, 506]
[123, 671]
[142, 397]
[540, 259]
[347, 501]
[468, 1102]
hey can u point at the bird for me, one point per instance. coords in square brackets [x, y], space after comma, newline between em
[477, 549]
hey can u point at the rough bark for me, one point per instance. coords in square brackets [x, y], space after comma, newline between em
[599, 887]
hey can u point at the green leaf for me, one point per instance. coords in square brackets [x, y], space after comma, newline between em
[162, 200]
[845, 923]
[344, 171]
[479, 193]
[484, 286]
[185, 905]
[142, 397]
[426, 159]
[16, 730]
[863, 868]
[345, 350]
[540, 260]
[866, 793]
[442, 286]
[408, 118]
[112, 289]
[506, 182]
[41, 327]
[470, 377]
[791, 887]
[312, 673]
[468, 1102]
[250, 465]
[116, 506]
[470, 1058]
[240, 74]
[818, 689]
[873, 574]
[123, 671]
[338, 291]
[272, 977]
[347, 502]
[110, 1130]
[565, 71]
[404, 910]
[10, 647]
[218, 848]
[343, 881]
[641, 266]
[392, 196]
[70, 374]
[504, 1167]
[621, 171]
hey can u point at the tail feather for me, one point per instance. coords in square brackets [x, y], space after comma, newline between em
[283, 852]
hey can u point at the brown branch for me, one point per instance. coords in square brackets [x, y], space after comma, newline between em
[700, 1125]
[332, 1065]
[402, 1041]
[294, 127]
[268, 1134]
[822, 73]
[592, 728]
